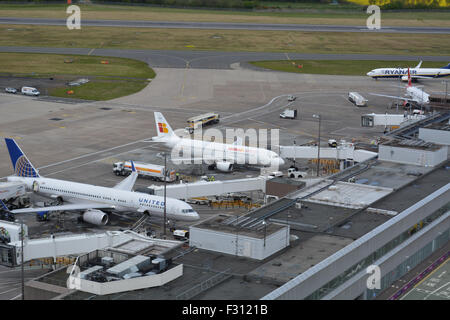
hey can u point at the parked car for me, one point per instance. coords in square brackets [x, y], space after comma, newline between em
[30, 91]
[11, 90]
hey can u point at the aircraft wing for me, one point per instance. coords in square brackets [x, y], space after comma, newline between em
[419, 77]
[66, 207]
[128, 183]
[394, 97]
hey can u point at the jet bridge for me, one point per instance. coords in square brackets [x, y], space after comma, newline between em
[210, 188]
[74, 244]
[372, 119]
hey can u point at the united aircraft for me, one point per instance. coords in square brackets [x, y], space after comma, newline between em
[413, 95]
[222, 155]
[91, 200]
[416, 73]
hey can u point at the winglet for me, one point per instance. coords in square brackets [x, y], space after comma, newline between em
[128, 183]
[22, 166]
[418, 66]
[3, 205]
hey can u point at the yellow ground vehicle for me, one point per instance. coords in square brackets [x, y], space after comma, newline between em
[201, 121]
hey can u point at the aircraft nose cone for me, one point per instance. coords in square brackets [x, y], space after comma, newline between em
[280, 162]
[195, 216]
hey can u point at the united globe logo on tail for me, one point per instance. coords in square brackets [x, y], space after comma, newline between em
[24, 168]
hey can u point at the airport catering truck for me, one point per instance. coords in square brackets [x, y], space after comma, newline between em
[152, 171]
[14, 194]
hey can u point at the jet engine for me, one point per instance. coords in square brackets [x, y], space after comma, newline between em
[224, 166]
[97, 217]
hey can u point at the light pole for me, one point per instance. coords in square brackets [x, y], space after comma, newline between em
[265, 231]
[165, 183]
[21, 263]
[317, 116]
[399, 86]
[287, 226]
[446, 84]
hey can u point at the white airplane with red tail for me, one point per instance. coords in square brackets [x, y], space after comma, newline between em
[413, 95]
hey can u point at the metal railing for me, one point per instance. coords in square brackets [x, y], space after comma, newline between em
[205, 285]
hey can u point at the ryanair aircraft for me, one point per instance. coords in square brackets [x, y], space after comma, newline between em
[413, 95]
[416, 73]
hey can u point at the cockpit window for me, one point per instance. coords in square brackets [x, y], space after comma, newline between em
[187, 210]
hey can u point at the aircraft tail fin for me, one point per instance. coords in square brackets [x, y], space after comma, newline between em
[418, 66]
[446, 67]
[22, 166]
[409, 79]
[162, 126]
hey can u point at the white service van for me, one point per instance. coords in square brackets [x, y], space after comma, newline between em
[289, 114]
[30, 91]
[357, 99]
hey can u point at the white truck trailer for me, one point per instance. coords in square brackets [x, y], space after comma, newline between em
[152, 171]
[14, 194]
[9, 190]
[357, 99]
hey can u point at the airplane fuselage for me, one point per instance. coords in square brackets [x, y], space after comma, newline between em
[216, 151]
[403, 72]
[119, 200]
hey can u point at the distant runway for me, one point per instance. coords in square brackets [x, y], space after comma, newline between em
[213, 59]
[225, 26]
